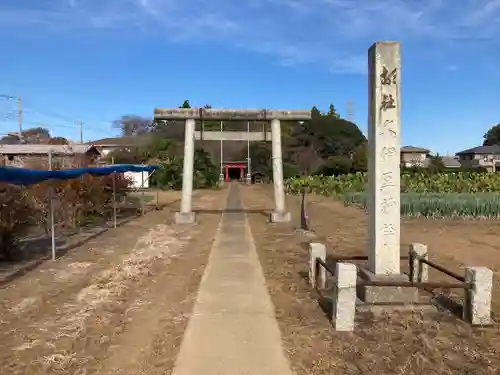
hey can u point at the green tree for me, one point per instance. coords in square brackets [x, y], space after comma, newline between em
[492, 136]
[169, 176]
[37, 135]
[333, 136]
[315, 113]
[435, 163]
[206, 173]
[336, 165]
[332, 112]
[185, 104]
[360, 158]
[260, 156]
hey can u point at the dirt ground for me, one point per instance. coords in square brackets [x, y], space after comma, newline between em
[389, 344]
[117, 304]
[35, 248]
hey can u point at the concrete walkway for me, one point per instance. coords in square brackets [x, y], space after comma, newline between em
[233, 330]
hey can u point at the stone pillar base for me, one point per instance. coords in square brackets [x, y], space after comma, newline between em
[280, 217]
[185, 217]
[386, 294]
[221, 179]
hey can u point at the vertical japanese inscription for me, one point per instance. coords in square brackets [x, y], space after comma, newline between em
[388, 78]
[387, 127]
[388, 150]
[388, 134]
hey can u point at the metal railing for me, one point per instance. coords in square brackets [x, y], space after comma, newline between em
[462, 284]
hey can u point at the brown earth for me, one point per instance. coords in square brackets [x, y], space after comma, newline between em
[394, 343]
[118, 304]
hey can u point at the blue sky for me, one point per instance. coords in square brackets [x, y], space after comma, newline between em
[95, 60]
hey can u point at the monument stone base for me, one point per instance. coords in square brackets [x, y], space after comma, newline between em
[280, 217]
[386, 294]
[382, 299]
[185, 217]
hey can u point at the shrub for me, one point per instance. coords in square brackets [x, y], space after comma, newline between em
[169, 176]
[76, 202]
[15, 215]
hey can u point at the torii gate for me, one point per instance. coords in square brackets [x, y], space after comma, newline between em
[190, 115]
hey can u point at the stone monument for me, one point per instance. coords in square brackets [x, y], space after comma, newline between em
[384, 126]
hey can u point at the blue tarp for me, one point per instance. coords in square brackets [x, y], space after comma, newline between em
[21, 176]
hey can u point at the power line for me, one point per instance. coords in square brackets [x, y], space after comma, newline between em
[24, 110]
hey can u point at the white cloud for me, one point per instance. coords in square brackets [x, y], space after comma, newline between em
[334, 33]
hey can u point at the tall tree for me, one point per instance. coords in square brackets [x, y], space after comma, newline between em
[185, 104]
[360, 158]
[315, 112]
[333, 136]
[131, 125]
[37, 135]
[492, 136]
[332, 112]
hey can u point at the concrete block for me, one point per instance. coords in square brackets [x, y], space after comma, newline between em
[185, 217]
[316, 272]
[477, 306]
[280, 217]
[344, 301]
[386, 294]
[419, 272]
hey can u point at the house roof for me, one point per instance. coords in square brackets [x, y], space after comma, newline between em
[37, 149]
[410, 149]
[481, 150]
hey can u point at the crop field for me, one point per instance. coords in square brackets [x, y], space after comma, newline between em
[441, 195]
[479, 205]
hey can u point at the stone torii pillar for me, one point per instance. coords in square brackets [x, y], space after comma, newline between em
[280, 214]
[186, 215]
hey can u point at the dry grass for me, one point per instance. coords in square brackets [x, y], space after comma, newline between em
[72, 320]
[118, 305]
[386, 344]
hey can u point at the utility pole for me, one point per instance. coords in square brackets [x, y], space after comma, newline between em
[81, 132]
[20, 116]
[349, 111]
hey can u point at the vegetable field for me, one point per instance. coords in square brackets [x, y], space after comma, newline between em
[458, 194]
